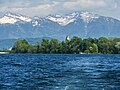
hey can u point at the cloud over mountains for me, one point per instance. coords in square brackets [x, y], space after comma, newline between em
[46, 7]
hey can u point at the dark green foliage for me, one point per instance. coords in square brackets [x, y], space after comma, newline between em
[74, 46]
[93, 48]
[20, 46]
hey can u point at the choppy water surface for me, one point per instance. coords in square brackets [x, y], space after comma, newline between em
[59, 72]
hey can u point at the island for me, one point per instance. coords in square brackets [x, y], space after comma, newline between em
[74, 45]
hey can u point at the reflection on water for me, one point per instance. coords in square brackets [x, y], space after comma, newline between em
[59, 72]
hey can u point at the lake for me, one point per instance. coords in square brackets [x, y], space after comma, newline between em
[59, 72]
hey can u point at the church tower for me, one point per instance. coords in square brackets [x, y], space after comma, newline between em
[67, 38]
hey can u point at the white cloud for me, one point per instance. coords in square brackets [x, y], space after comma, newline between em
[19, 4]
[46, 7]
[38, 10]
[30, 10]
[84, 4]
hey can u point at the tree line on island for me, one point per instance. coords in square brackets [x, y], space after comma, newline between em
[75, 45]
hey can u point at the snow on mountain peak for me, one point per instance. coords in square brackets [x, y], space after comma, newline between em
[7, 20]
[87, 17]
[35, 23]
[10, 18]
[63, 20]
[20, 17]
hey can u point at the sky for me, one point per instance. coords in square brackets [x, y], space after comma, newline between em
[110, 8]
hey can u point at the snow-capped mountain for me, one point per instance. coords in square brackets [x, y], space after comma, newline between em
[87, 17]
[82, 24]
[63, 20]
[10, 18]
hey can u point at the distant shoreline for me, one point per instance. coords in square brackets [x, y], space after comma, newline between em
[75, 45]
[58, 53]
[4, 52]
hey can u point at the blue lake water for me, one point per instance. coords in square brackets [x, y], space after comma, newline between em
[59, 72]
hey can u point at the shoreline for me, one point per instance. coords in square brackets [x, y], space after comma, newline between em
[64, 53]
[4, 53]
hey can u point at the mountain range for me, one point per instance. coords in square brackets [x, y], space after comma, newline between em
[82, 24]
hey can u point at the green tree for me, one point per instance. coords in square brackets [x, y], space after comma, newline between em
[93, 48]
[117, 47]
[44, 46]
[54, 46]
[85, 45]
[75, 45]
[20, 46]
[64, 48]
[104, 45]
[30, 49]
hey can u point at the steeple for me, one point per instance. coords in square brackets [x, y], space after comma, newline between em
[67, 38]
